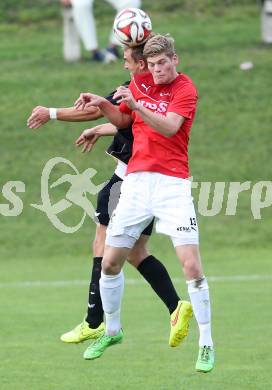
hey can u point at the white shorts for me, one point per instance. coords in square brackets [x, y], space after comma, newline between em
[145, 195]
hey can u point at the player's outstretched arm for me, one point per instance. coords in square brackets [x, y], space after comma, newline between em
[89, 137]
[109, 110]
[41, 115]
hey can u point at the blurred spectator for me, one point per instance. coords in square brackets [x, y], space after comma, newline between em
[79, 24]
[118, 5]
[267, 21]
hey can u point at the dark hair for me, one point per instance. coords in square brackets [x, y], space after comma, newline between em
[136, 52]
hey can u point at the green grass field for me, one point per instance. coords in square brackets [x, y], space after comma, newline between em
[44, 273]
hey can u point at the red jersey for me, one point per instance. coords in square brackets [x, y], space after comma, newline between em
[153, 151]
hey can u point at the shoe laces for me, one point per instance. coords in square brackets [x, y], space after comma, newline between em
[81, 326]
[205, 353]
[97, 341]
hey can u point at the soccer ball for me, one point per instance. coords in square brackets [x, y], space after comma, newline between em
[132, 26]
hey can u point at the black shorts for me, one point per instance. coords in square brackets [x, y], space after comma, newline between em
[107, 200]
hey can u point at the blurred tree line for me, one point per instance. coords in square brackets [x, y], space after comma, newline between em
[30, 11]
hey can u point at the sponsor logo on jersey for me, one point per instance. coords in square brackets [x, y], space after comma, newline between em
[175, 320]
[145, 87]
[186, 229]
[160, 107]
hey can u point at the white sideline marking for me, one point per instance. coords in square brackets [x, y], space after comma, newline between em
[65, 283]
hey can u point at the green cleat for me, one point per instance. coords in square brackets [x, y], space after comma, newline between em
[82, 332]
[179, 323]
[96, 349]
[205, 360]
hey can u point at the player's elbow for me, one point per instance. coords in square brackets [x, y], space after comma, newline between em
[174, 123]
[172, 130]
[123, 121]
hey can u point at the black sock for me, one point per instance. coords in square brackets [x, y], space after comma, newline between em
[95, 309]
[157, 276]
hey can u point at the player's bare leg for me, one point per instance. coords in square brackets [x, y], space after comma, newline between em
[99, 240]
[139, 252]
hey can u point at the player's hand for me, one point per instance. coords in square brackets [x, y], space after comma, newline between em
[39, 116]
[124, 95]
[87, 138]
[66, 3]
[86, 100]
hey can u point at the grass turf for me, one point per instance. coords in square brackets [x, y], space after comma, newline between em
[32, 356]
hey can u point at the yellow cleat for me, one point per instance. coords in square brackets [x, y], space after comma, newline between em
[82, 332]
[179, 323]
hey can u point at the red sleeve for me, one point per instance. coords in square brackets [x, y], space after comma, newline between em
[184, 101]
[125, 109]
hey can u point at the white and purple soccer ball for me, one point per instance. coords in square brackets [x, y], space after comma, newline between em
[132, 26]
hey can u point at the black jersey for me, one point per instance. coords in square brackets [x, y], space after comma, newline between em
[121, 146]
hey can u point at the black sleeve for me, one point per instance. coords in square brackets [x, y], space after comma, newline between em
[110, 96]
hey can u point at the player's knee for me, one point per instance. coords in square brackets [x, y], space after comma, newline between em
[190, 259]
[192, 268]
[110, 266]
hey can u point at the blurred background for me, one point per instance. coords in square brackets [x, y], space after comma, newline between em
[44, 273]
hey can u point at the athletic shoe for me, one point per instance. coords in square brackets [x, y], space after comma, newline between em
[96, 349]
[82, 332]
[110, 55]
[205, 360]
[98, 56]
[179, 323]
[114, 50]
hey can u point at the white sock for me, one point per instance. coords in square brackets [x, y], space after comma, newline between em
[111, 291]
[199, 294]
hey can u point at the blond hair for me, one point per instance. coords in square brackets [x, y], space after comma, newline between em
[159, 44]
